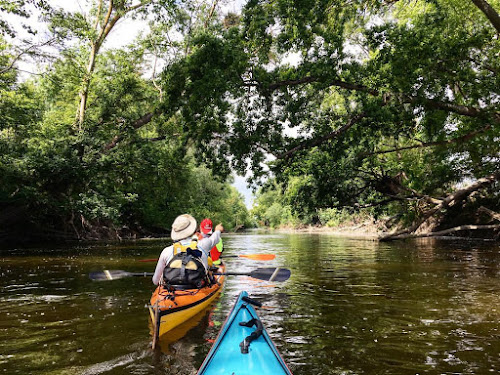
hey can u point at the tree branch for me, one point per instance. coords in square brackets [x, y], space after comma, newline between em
[489, 212]
[23, 52]
[449, 201]
[210, 14]
[489, 12]
[317, 141]
[335, 82]
[98, 15]
[445, 231]
[430, 103]
[375, 204]
[108, 14]
[463, 138]
[485, 66]
[136, 6]
[450, 107]
[140, 122]
[418, 196]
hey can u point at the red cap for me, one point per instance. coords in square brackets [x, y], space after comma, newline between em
[206, 226]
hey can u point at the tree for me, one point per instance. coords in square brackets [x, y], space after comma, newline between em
[127, 170]
[372, 84]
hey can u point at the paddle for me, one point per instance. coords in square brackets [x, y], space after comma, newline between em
[247, 256]
[116, 274]
[268, 274]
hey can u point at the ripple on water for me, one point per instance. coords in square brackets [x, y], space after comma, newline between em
[350, 307]
[121, 361]
[32, 298]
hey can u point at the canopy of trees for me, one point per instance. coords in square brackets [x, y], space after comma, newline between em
[381, 104]
[81, 153]
[387, 104]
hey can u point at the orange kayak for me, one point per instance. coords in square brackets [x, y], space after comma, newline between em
[170, 309]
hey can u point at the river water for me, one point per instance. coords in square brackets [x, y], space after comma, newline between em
[350, 307]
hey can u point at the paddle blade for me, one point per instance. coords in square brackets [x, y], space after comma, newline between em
[109, 275]
[258, 256]
[271, 274]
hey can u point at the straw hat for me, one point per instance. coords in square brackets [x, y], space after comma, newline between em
[183, 227]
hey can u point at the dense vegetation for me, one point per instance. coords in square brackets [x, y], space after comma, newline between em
[380, 105]
[395, 105]
[102, 168]
[386, 105]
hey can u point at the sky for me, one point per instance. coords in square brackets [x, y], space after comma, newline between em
[241, 185]
[127, 30]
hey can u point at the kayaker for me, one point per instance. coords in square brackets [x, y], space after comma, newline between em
[206, 231]
[185, 241]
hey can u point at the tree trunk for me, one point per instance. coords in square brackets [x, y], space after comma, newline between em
[490, 12]
[489, 212]
[444, 232]
[449, 201]
[84, 93]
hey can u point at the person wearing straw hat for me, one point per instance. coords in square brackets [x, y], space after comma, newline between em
[183, 235]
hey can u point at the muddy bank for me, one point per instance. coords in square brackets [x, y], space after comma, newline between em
[374, 232]
[26, 232]
[367, 231]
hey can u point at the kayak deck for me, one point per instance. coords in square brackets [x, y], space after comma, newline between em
[175, 308]
[226, 357]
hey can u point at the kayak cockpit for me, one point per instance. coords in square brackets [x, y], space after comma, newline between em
[243, 346]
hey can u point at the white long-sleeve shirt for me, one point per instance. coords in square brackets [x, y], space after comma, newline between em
[205, 245]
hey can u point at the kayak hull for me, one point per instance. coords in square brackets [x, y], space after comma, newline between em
[226, 357]
[170, 309]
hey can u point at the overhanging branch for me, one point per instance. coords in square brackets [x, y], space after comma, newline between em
[446, 231]
[463, 110]
[490, 13]
[447, 202]
[317, 141]
[312, 79]
[140, 122]
[461, 139]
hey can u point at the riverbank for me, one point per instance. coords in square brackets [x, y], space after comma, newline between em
[375, 232]
[351, 232]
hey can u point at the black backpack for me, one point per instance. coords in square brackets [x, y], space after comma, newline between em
[185, 269]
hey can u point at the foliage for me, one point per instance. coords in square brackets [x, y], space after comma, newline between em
[272, 208]
[20, 9]
[348, 104]
[124, 169]
[341, 105]
[333, 217]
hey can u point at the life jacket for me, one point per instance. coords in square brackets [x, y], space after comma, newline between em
[186, 266]
[213, 251]
[216, 252]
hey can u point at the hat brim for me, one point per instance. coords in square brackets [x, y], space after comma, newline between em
[185, 233]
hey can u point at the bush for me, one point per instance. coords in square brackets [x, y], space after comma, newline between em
[333, 217]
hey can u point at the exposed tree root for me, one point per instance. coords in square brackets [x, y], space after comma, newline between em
[489, 212]
[451, 200]
[445, 232]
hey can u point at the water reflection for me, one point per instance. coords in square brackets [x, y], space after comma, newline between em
[350, 307]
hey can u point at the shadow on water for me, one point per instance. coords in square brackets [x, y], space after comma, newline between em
[350, 307]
